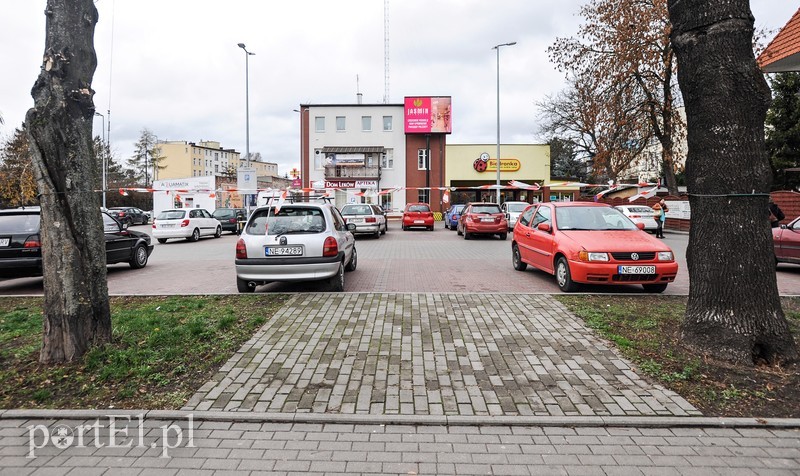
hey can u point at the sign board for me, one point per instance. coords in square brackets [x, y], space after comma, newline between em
[247, 178]
[428, 115]
[506, 165]
[679, 209]
[351, 184]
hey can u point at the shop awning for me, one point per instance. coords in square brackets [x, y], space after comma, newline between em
[353, 150]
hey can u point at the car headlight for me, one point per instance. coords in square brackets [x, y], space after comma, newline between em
[665, 255]
[592, 256]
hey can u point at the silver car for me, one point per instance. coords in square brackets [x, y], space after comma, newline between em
[367, 218]
[307, 241]
[639, 214]
[512, 211]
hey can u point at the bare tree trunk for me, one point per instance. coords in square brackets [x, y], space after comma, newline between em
[76, 310]
[734, 311]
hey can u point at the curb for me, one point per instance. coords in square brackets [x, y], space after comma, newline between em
[427, 420]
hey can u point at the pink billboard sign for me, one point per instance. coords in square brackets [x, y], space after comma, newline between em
[428, 115]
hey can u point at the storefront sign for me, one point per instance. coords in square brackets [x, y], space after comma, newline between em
[351, 184]
[506, 165]
[427, 115]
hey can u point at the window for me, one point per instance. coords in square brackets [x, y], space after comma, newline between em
[525, 218]
[366, 123]
[422, 159]
[387, 123]
[422, 196]
[319, 124]
[387, 159]
[340, 124]
[542, 216]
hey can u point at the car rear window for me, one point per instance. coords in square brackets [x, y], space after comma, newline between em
[356, 210]
[288, 220]
[171, 215]
[516, 207]
[19, 223]
[419, 208]
[485, 209]
[222, 213]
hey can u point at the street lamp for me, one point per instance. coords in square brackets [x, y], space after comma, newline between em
[247, 113]
[103, 155]
[497, 48]
[303, 168]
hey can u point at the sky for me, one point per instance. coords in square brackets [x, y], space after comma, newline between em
[174, 67]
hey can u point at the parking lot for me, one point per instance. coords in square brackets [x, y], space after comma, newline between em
[400, 261]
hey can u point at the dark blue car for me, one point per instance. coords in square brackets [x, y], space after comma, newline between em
[452, 215]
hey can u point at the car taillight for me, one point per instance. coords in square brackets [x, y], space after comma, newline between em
[371, 219]
[636, 216]
[184, 223]
[32, 242]
[121, 214]
[232, 220]
[331, 247]
[241, 249]
[154, 222]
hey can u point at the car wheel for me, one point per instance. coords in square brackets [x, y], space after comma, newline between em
[655, 288]
[563, 276]
[195, 235]
[467, 236]
[385, 228]
[516, 258]
[430, 228]
[351, 266]
[458, 230]
[218, 233]
[503, 236]
[404, 228]
[139, 259]
[242, 287]
[162, 240]
[336, 283]
[446, 226]
[378, 235]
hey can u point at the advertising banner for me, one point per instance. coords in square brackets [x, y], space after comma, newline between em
[428, 115]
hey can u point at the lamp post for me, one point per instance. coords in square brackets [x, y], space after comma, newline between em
[303, 167]
[247, 113]
[103, 155]
[497, 48]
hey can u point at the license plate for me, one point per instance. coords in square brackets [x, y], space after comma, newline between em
[487, 219]
[419, 221]
[284, 251]
[355, 220]
[637, 270]
[5, 241]
[170, 225]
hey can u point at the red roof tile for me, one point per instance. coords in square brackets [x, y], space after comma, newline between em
[784, 50]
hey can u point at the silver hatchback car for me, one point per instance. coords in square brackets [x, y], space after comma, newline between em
[301, 241]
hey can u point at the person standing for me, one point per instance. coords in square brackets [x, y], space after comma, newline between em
[775, 214]
[660, 215]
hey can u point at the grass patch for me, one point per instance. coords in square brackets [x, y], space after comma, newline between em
[646, 330]
[163, 349]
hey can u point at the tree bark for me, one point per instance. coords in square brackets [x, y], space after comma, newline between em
[76, 310]
[734, 311]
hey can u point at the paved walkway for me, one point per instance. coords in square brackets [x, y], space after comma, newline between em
[431, 354]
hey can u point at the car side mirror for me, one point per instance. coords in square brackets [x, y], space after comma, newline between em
[640, 226]
[351, 227]
[545, 227]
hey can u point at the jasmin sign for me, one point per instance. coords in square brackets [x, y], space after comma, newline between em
[427, 115]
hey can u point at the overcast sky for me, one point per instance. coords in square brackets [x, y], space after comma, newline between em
[173, 67]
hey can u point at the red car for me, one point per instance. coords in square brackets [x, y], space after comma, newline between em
[418, 215]
[482, 219]
[786, 240]
[590, 243]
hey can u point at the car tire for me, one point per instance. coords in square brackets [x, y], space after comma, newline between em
[564, 277]
[378, 235]
[385, 228]
[351, 266]
[430, 228]
[162, 240]
[516, 259]
[446, 226]
[467, 236]
[458, 230]
[139, 258]
[336, 283]
[242, 287]
[195, 235]
[655, 288]
[504, 236]
[218, 233]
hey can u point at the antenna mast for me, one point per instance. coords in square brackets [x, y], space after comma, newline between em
[386, 51]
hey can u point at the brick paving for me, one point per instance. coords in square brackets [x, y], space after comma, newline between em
[431, 354]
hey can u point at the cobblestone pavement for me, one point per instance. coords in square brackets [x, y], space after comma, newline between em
[152, 447]
[431, 354]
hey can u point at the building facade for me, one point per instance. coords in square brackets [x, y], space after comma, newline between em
[183, 159]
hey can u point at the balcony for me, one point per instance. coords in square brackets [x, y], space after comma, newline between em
[339, 171]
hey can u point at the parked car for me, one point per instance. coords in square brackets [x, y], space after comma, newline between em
[300, 241]
[232, 219]
[367, 218]
[786, 240]
[512, 210]
[640, 214]
[188, 223]
[483, 219]
[590, 243]
[417, 215]
[452, 215]
[21, 247]
[129, 215]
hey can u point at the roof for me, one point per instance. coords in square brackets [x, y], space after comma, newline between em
[353, 150]
[783, 52]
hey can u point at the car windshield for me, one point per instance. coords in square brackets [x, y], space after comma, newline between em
[356, 210]
[485, 209]
[171, 215]
[419, 208]
[516, 207]
[222, 213]
[458, 208]
[592, 218]
[19, 223]
[288, 220]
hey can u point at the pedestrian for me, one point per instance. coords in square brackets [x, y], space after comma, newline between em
[660, 210]
[775, 214]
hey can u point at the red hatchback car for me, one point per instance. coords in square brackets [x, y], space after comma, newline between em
[483, 219]
[590, 243]
[418, 215]
[786, 239]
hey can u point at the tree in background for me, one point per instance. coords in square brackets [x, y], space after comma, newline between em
[624, 46]
[17, 185]
[146, 160]
[59, 126]
[783, 130]
[564, 160]
[733, 315]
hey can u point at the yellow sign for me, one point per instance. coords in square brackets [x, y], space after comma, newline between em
[506, 165]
